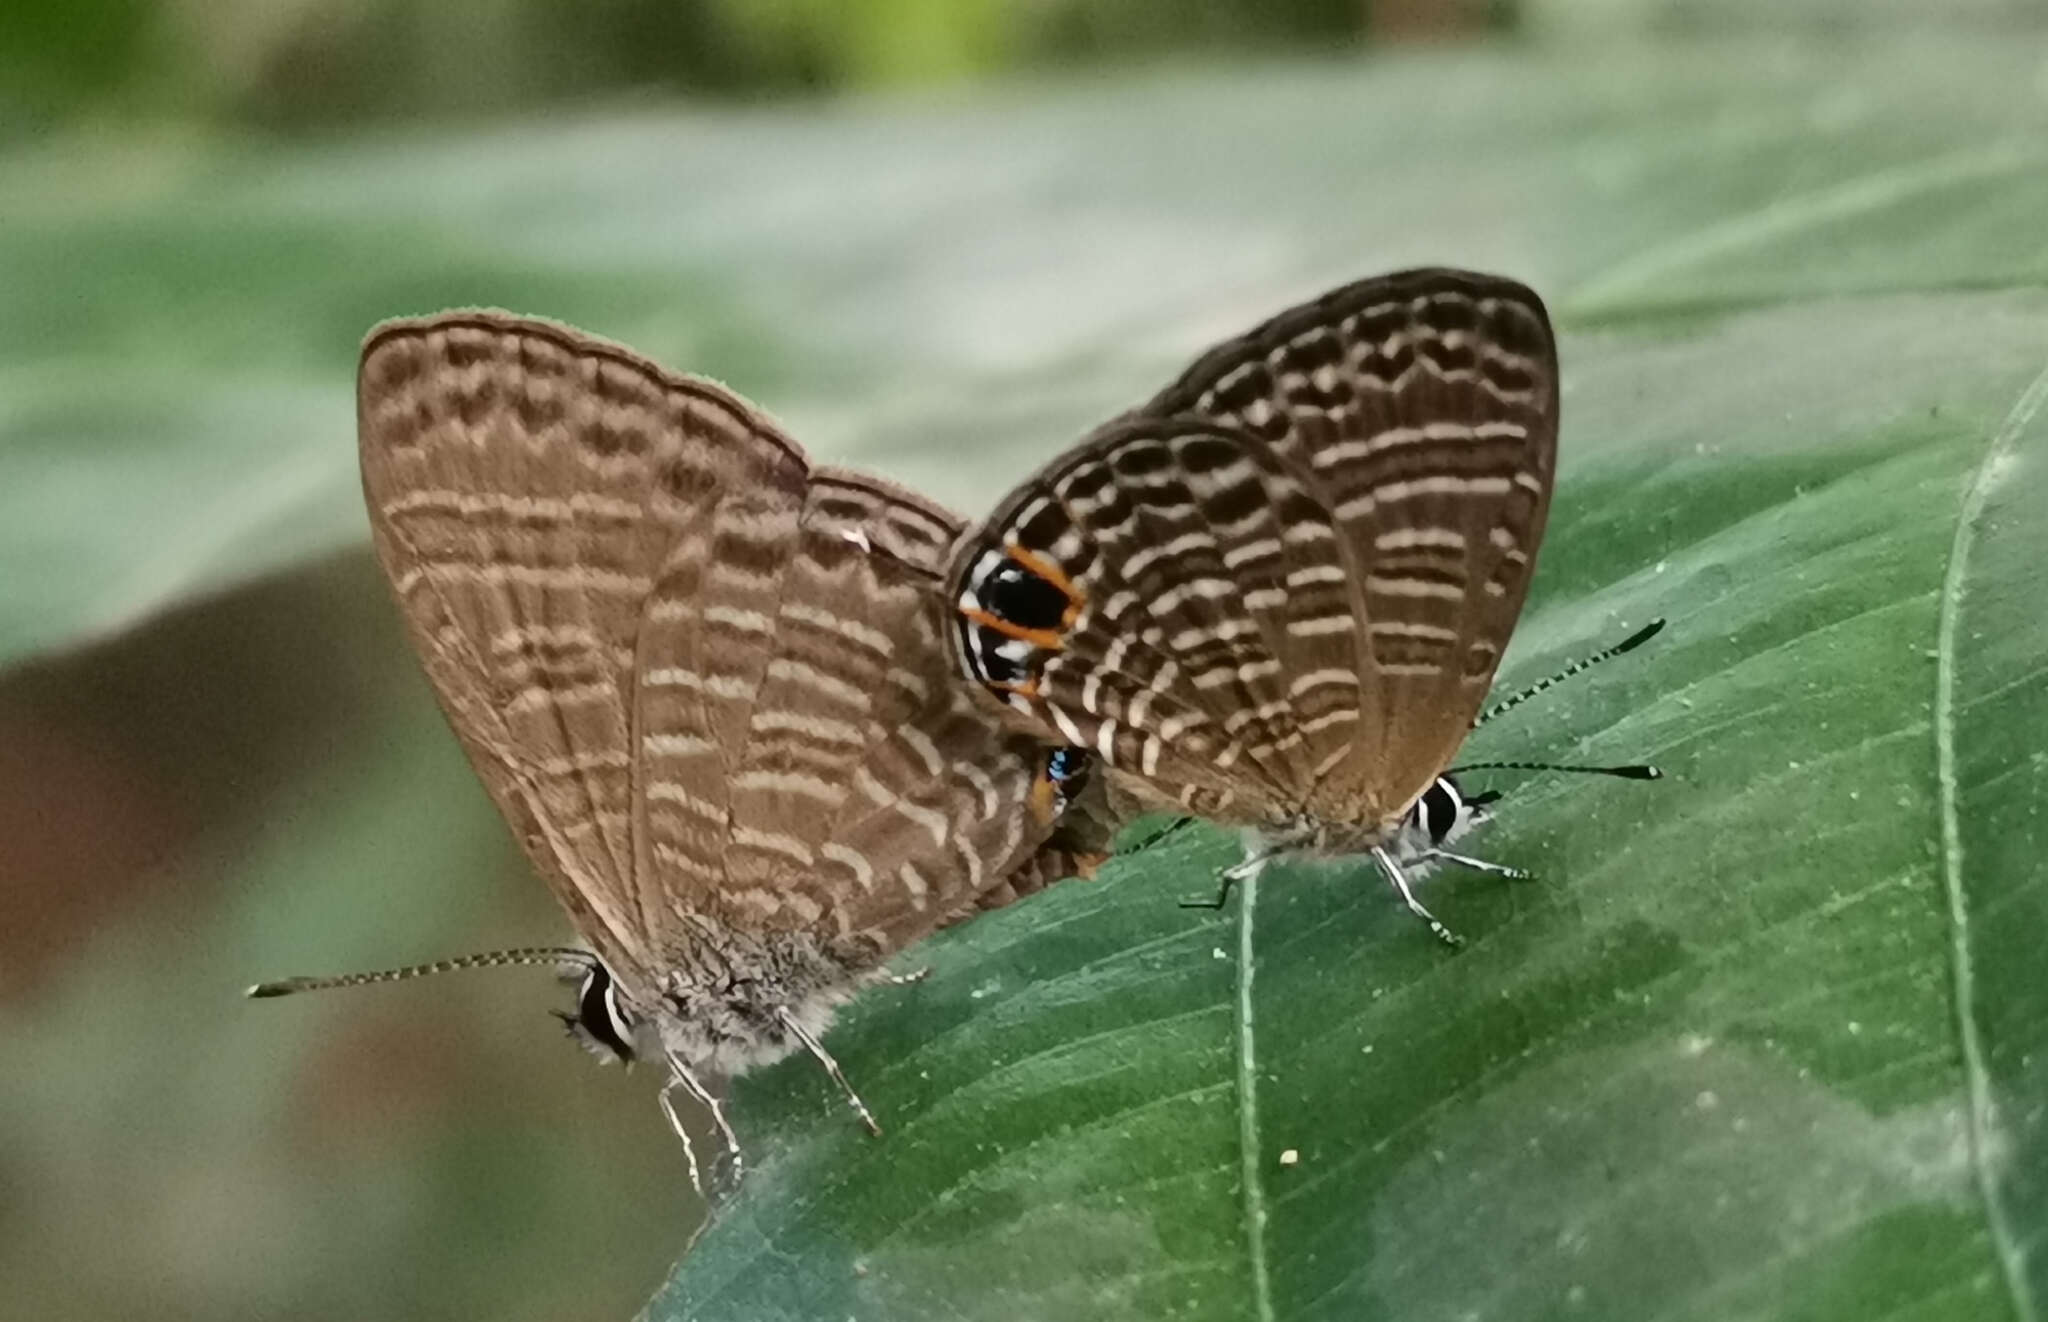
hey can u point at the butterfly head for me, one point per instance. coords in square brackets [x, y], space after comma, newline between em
[1444, 812]
[1439, 815]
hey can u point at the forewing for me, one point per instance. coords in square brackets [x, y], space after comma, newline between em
[1424, 406]
[527, 487]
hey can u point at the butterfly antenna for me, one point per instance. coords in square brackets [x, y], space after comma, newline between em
[1628, 644]
[488, 960]
[1637, 771]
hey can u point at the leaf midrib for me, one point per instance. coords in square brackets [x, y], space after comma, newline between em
[1254, 1189]
[1981, 1119]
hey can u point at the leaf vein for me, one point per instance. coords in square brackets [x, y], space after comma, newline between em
[1983, 1119]
[1248, 1109]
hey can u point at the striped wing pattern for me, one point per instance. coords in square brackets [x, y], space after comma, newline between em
[1281, 588]
[704, 682]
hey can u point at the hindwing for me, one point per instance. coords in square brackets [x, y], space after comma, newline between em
[1282, 586]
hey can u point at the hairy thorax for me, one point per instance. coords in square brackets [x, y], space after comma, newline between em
[1305, 834]
[722, 1007]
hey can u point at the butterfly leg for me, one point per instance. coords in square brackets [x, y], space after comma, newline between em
[1393, 873]
[1231, 876]
[681, 1077]
[1479, 864]
[1172, 828]
[817, 1048]
[1261, 846]
[675, 1122]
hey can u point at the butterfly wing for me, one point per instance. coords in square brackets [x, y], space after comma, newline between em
[1425, 406]
[951, 799]
[526, 484]
[637, 603]
[1283, 585]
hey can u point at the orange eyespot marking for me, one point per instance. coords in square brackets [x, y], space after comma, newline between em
[1052, 574]
[1049, 639]
[1028, 689]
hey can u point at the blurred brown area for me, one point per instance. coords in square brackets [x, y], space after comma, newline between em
[122, 764]
[81, 829]
[1436, 20]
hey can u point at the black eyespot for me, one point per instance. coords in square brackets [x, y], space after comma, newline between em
[996, 667]
[1014, 593]
[599, 1014]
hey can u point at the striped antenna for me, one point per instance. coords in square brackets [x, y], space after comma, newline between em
[1628, 644]
[488, 960]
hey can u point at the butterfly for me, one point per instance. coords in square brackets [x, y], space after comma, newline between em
[1276, 594]
[704, 681]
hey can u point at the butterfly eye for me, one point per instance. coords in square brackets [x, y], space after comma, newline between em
[1436, 812]
[600, 1019]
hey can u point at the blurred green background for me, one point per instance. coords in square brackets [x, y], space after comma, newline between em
[304, 63]
[935, 236]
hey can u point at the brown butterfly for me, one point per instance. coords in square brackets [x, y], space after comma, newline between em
[1276, 594]
[703, 680]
